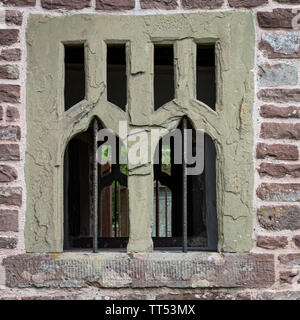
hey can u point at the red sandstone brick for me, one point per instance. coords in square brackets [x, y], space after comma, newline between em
[247, 3]
[10, 55]
[288, 1]
[280, 170]
[9, 93]
[19, 3]
[11, 196]
[8, 36]
[271, 242]
[9, 220]
[8, 242]
[279, 95]
[7, 173]
[9, 152]
[271, 130]
[12, 114]
[277, 151]
[270, 111]
[13, 17]
[278, 18]
[202, 4]
[287, 277]
[115, 4]
[159, 4]
[9, 72]
[278, 218]
[65, 4]
[296, 239]
[285, 192]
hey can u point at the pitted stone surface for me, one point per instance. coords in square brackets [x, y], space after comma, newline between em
[279, 218]
[49, 128]
[177, 270]
[277, 75]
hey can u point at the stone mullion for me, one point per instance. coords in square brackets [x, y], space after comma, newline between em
[140, 83]
[140, 185]
[185, 71]
[140, 177]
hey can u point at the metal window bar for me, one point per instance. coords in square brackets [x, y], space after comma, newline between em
[95, 187]
[184, 187]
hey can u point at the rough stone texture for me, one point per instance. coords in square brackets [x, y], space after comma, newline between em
[48, 133]
[277, 151]
[271, 242]
[11, 196]
[280, 45]
[296, 240]
[65, 4]
[19, 3]
[115, 4]
[10, 133]
[9, 152]
[9, 220]
[288, 1]
[270, 111]
[289, 192]
[287, 277]
[159, 4]
[202, 4]
[8, 36]
[12, 114]
[10, 55]
[278, 18]
[271, 130]
[277, 75]
[8, 242]
[192, 270]
[247, 3]
[1, 113]
[279, 218]
[7, 173]
[279, 95]
[9, 72]
[13, 17]
[280, 170]
[9, 93]
[279, 295]
[289, 261]
[206, 295]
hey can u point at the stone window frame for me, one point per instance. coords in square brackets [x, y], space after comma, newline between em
[50, 128]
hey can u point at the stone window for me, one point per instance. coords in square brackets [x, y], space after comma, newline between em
[60, 124]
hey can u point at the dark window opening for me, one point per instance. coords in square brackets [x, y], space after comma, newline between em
[80, 229]
[206, 75]
[164, 85]
[74, 75]
[169, 191]
[116, 75]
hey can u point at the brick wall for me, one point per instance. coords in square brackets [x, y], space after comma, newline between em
[277, 132]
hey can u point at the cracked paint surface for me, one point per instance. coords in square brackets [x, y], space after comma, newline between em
[50, 128]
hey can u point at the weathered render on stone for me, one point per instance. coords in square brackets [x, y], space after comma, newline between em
[173, 270]
[49, 128]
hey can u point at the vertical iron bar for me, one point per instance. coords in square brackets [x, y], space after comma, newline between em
[166, 210]
[95, 187]
[127, 207]
[157, 208]
[119, 210]
[184, 186]
[115, 209]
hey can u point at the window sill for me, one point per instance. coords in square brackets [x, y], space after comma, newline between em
[156, 269]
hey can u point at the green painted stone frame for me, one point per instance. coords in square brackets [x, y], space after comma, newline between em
[50, 128]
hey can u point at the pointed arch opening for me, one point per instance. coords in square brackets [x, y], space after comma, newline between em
[200, 226]
[95, 192]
